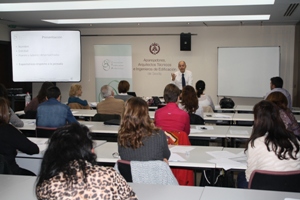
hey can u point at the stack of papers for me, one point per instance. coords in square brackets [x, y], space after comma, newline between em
[228, 160]
[179, 153]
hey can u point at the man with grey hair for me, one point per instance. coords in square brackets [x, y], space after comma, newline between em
[109, 105]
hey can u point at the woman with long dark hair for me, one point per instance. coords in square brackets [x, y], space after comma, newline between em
[271, 146]
[40, 98]
[139, 139]
[12, 140]
[204, 100]
[69, 170]
[286, 114]
[189, 101]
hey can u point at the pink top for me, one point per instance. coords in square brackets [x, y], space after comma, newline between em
[172, 118]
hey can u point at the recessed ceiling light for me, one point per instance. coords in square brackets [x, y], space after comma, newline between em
[122, 4]
[160, 19]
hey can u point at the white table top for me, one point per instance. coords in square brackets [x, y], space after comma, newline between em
[25, 187]
[217, 193]
[83, 112]
[218, 116]
[239, 132]
[43, 145]
[208, 131]
[197, 157]
[166, 192]
[249, 117]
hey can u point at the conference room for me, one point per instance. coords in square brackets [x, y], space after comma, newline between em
[146, 53]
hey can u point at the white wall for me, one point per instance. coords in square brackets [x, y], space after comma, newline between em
[202, 60]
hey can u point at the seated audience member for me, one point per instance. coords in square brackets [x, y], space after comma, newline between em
[109, 105]
[123, 88]
[69, 170]
[40, 98]
[52, 113]
[138, 138]
[189, 101]
[271, 146]
[170, 117]
[12, 140]
[276, 85]
[74, 94]
[204, 100]
[14, 119]
[286, 114]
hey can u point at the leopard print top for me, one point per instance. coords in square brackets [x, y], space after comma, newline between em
[103, 183]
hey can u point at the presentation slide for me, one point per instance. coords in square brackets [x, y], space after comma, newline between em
[39, 56]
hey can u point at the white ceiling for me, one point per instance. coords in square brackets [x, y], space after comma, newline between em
[32, 19]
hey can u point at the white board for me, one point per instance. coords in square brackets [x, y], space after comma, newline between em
[246, 71]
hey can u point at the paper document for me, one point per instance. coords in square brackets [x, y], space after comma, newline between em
[194, 130]
[227, 164]
[73, 112]
[181, 149]
[176, 158]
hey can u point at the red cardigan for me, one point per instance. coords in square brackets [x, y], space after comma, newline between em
[172, 118]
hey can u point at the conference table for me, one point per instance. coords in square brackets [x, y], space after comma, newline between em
[23, 187]
[33, 162]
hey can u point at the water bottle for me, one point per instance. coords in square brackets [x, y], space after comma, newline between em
[27, 99]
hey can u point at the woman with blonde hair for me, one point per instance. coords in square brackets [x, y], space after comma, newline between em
[74, 94]
[139, 139]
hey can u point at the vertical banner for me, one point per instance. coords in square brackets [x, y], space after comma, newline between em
[112, 64]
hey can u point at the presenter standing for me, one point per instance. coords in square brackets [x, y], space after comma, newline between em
[182, 77]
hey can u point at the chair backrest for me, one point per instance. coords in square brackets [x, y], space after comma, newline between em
[78, 106]
[277, 181]
[4, 166]
[105, 117]
[44, 132]
[196, 119]
[30, 114]
[125, 169]
[147, 172]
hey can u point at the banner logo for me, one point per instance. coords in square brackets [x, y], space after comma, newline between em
[154, 48]
[106, 64]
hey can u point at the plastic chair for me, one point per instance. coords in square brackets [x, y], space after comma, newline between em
[4, 166]
[288, 181]
[196, 119]
[44, 132]
[78, 106]
[105, 117]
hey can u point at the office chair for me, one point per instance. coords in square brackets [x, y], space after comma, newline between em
[105, 117]
[44, 132]
[78, 106]
[288, 181]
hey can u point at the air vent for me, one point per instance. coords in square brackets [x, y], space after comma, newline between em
[291, 9]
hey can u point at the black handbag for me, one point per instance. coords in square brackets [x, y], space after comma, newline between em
[226, 103]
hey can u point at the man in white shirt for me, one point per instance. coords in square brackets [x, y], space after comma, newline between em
[182, 77]
[276, 86]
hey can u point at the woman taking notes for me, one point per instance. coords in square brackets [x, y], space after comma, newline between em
[12, 140]
[69, 170]
[271, 146]
[138, 138]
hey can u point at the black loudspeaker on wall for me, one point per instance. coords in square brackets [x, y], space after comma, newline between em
[185, 41]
